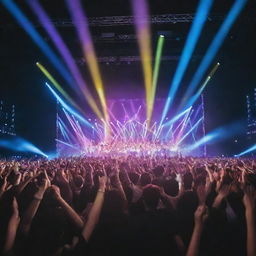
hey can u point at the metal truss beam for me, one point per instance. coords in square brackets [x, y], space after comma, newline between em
[109, 21]
[130, 59]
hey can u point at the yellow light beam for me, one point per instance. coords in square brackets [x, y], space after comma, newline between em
[145, 52]
[140, 12]
[57, 86]
[82, 28]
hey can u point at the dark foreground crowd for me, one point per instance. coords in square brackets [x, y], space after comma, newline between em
[128, 206]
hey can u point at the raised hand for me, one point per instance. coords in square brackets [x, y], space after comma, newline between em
[12, 229]
[43, 187]
[56, 191]
[46, 182]
[222, 173]
[91, 168]
[102, 182]
[249, 197]
[15, 212]
[201, 214]
[5, 185]
[64, 176]
[201, 193]
[224, 191]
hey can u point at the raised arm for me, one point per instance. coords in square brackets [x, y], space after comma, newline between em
[120, 188]
[222, 194]
[209, 173]
[12, 228]
[95, 211]
[4, 186]
[249, 203]
[31, 211]
[71, 213]
[201, 214]
[89, 176]
[23, 184]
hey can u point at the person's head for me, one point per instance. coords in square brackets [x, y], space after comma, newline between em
[96, 178]
[113, 204]
[200, 180]
[129, 193]
[151, 196]
[134, 177]
[145, 179]
[14, 178]
[227, 180]
[251, 179]
[187, 204]
[78, 181]
[188, 181]
[171, 187]
[158, 182]
[158, 171]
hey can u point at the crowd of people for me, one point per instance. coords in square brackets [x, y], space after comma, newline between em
[128, 206]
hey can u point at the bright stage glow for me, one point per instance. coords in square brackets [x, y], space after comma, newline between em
[191, 41]
[214, 46]
[81, 24]
[130, 131]
[141, 16]
[247, 151]
[67, 107]
[65, 53]
[21, 145]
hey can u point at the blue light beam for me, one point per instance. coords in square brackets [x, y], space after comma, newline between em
[249, 150]
[67, 107]
[177, 117]
[214, 46]
[193, 36]
[218, 134]
[37, 38]
[21, 145]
